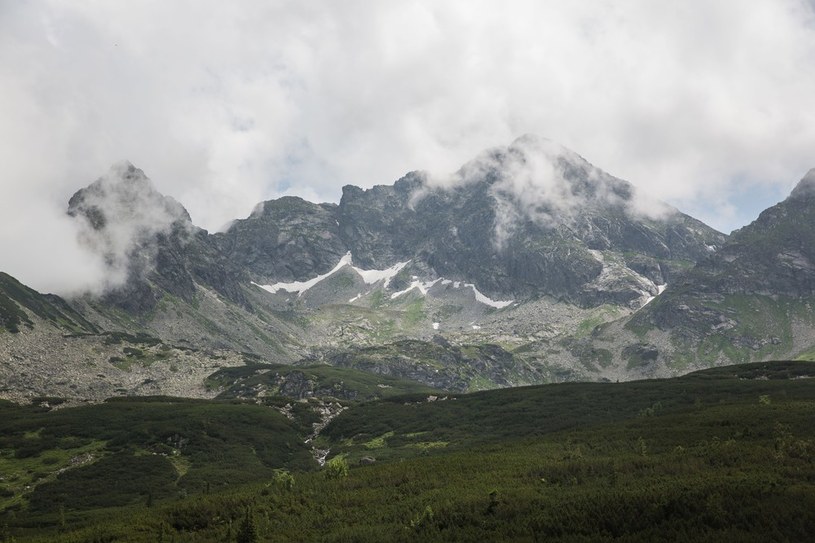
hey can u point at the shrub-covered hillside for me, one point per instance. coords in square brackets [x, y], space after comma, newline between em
[721, 455]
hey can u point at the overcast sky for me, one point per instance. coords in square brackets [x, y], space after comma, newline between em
[708, 104]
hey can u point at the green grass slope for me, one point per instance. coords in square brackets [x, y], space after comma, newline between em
[16, 297]
[414, 424]
[128, 450]
[297, 382]
[720, 455]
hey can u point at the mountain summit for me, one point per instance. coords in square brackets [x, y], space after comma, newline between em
[528, 220]
[147, 241]
[125, 198]
[805, 187]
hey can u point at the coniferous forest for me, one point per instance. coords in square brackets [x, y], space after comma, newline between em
[719, 455]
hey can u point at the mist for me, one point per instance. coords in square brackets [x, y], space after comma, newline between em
[119, 217]
[538, 180]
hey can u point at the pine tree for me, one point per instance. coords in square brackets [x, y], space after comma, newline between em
[247, 532]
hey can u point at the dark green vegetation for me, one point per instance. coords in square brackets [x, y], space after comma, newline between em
[720, 455]
[15, 297]
[127, 451]
[441, 364]
[261, 380]
[401, 426]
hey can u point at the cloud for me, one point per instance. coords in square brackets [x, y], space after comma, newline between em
[225, 104]
[51, 258]
[119, 217]
[536, 179]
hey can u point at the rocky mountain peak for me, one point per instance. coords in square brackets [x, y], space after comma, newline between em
[805, 187]
[522, 220]
[531, 147]
[126, 195]
[122, 213]
[538, 180]
[285, 239]
[135, 230]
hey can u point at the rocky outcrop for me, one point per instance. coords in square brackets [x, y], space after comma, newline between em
[19, 303]
[288, 239]
[751, 299]
[440, 365]
[528, 220]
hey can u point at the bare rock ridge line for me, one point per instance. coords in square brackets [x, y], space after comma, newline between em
[508, 237]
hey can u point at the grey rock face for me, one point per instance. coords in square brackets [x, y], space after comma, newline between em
[148, 243]
[751, 298]
[379, 225]
[287, 239]
[529, 221]
[438, 364]
[518, 222]
[522, 221]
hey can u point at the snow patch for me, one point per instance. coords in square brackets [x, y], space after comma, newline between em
[488, 301]
[368, 276]
[423, 287]
[660, 290]
[302, 286]
[373, 276]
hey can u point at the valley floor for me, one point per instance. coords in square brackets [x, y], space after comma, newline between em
[721, 455]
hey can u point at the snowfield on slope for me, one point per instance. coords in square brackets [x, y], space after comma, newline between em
[371, 277]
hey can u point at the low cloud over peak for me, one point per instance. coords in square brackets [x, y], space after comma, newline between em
[536, 179]
[119, 216]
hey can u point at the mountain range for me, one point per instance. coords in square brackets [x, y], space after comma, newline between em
[528, 265]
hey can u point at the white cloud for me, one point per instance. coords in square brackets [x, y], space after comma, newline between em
[224, 104]
[536, 179]
[118, 216]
